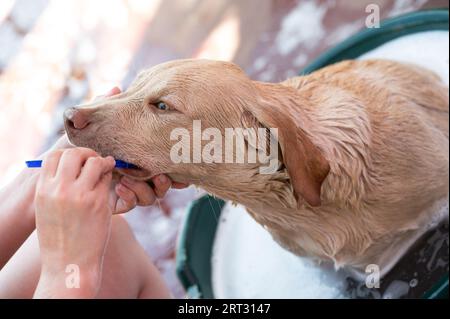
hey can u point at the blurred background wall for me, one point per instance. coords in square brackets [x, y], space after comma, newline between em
[55, 54]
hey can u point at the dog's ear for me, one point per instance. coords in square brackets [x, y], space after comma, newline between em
[306, 166]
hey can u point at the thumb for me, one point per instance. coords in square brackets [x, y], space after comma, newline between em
[126, 200]
[122, 206]
[114, 91]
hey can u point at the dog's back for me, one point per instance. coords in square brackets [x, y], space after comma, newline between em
[395, 148]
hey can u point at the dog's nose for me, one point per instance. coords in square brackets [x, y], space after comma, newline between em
[76, 118]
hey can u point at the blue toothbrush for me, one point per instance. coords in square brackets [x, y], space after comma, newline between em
[119, 164]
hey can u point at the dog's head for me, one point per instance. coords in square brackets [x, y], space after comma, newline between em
[160, 114]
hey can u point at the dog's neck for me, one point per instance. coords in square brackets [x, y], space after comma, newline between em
[246, 185]
[327, 129]
[255, 191]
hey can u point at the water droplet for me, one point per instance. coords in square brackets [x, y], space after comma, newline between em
[413, 283]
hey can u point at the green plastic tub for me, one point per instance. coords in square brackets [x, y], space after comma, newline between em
[197, 237]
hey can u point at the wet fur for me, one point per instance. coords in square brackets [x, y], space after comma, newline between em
[364, 149]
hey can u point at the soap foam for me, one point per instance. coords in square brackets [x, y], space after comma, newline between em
[248, 263]
[426, 49]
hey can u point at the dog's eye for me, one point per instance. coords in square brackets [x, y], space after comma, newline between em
[162, 106]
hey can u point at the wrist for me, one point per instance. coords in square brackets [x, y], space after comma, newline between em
[71, 281]
[17, 220]
[18, 196]
[28, 179]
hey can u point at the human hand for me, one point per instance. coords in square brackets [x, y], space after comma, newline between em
[73, 216]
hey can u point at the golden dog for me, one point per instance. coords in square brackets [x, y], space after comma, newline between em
[364, 149]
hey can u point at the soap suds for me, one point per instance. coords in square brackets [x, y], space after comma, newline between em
[248, 263]
[396, 289]
[426, 49]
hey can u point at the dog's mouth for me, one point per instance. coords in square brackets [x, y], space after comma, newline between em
[127, 168]
[136, 172]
